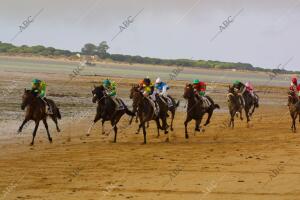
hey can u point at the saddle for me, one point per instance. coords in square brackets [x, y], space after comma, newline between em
[205, 100]
[154, 105]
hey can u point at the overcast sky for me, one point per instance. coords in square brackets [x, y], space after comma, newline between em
[265, 33]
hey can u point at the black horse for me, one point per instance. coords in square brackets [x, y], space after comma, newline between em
[107, 110]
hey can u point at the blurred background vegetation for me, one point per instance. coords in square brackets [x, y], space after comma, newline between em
[100, 52]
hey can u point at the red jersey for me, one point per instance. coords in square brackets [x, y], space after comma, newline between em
[200, 87]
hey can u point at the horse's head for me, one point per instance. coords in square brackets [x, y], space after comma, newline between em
[188, 91]
[27, 98]
[136, 95]
[98, 93]
[134, 89]
[292, 98]
[231, 90]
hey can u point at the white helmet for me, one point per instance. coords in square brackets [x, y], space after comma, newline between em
[158, 80]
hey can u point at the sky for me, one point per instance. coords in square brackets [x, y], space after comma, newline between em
[265, 33]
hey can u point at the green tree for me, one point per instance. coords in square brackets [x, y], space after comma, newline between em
[89, 49]
[102, 49]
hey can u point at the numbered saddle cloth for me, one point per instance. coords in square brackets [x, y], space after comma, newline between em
[206, 102]
[154, 105]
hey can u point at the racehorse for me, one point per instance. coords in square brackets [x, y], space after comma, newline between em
[234, 105]
[250, 102]
[113, 114]
[196, 108]
[146, 112]
[36, 111]
[171, 108]
[294, 108]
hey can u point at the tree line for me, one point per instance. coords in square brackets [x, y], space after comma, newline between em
[101, 52]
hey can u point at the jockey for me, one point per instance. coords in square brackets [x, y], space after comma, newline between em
[200, 90]
[148, 91]
[110, 90]
[250, 88]
[295, 88]
[38, 88]
[239, 88]
[161, 89]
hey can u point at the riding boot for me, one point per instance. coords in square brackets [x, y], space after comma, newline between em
[48, 107]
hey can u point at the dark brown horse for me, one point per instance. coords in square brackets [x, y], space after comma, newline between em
[250, 103]
[107, 110]
[234, 105]
[196, 108]
[145, 112]
[171, 108]
[36, 111]
[294, 107]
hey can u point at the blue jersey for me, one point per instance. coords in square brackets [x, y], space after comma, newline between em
[161, 85]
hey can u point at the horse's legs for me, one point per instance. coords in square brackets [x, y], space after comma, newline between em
[21, 127]
[253, 109]
[157, 125]
[210, 112]
[172, 118]
[247, 113]
[47, 129]
[197, 124]
[188, 119]
[114, 125]
[144, 132]
[55, 121]
[34, 131]
[97, 117]
[147, 124]
[231, 122]
[241, 113]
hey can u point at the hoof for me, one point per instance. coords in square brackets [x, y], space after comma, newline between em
[87, 135]
[58, 130]
[171, 129]
[31, 144]
[50, 140]
[186, 136]
[197, 129]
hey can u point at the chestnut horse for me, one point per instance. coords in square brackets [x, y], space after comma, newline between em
[36, 111]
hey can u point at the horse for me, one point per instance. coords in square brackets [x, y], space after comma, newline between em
[171, 108]
[294, 108]
[250, 102]
[196, 108]
[234, 105]
[146, 112]
[36, 111]
[112, 114]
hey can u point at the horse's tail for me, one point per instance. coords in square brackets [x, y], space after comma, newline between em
[216, 106]
[128, 112]
[177, 104]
